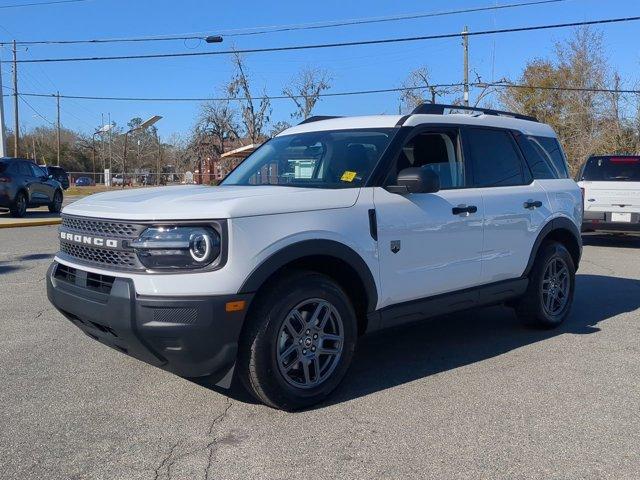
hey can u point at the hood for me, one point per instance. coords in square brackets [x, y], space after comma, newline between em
[195, 202]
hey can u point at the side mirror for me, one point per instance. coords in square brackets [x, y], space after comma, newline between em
[49, 177]
[416, 180]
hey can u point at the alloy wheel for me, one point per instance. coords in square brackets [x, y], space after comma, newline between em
[309, 343]
[555, 286]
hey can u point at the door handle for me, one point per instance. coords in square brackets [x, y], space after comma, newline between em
[531, 204]
[460, 209]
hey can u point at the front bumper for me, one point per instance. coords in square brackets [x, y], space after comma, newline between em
[601, 221]
[188, 336]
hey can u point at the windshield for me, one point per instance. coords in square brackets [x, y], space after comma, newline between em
[612, 169]
[329, 159]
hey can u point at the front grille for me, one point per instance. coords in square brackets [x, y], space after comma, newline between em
[92, 281]
[120, 258]
[102, 227]
[101, 256]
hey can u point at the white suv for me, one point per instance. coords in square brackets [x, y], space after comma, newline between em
[334, 228]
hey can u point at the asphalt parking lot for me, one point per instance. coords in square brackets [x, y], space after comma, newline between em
[473, 395]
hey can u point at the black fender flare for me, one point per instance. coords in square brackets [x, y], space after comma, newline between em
[559, 223]
[307, 248]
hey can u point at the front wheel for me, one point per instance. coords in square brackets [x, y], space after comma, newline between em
[549, 296]
[299, 341]
[56, 205]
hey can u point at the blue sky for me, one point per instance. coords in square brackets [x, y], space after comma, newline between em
[352, 68]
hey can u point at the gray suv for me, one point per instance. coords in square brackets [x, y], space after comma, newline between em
[24, 184]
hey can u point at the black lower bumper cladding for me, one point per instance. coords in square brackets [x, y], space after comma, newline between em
[189, 336]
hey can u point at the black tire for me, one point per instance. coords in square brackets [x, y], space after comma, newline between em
[262, 341]
[56, 205]
[19, 206]
[533, 306]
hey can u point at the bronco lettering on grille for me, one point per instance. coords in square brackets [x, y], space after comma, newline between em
[89, 240]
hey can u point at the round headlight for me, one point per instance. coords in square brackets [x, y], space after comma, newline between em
[200, 246]
[175, 247]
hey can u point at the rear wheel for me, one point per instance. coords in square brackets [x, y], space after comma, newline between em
[19, 206]
[549, 296]
[299, 341]
[56, 205]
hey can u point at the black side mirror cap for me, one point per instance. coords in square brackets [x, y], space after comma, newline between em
[415, 180]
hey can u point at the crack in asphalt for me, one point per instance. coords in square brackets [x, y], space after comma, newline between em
[168, 461]
[211, 446]
[164, 461]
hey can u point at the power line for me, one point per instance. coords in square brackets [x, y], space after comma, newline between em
[230, 99]
[334, 45]
[34, 110]
[36, 4]
[331, 94]
[287, 28]
[363, 21]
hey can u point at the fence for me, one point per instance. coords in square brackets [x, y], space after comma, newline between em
[133, 178]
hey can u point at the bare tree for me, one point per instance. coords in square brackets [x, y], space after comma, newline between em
[254, 116]
[278, 127]
[305, 90]
[218, 121]
[416, 84]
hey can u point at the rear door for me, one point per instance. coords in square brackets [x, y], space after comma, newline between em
[27, 180]
[515, 206]
[429, 243]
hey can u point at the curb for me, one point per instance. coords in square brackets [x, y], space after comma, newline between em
[31, 223]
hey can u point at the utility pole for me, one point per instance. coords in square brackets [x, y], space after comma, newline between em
[110, 128]
[465, 46]
[58, 126]
[158, 158]
[3, 138]
[16, 127]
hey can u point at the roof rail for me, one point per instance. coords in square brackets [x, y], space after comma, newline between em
[438, 109]
[317, 118]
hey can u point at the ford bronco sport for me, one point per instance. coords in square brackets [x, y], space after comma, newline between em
[335, 228]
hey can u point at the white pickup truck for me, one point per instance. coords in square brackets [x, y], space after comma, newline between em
[611, 189]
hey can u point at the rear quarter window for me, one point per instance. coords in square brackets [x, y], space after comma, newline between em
[550, 149]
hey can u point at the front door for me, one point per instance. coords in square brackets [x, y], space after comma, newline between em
[429, 243]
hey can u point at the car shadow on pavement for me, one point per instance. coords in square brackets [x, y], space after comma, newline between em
[393, 357]
[613, 241]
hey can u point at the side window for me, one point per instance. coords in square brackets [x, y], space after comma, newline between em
[14, 168]
[539, 164]
[438, 152]
[36, 171]
[496, 161]
[550, 148]
[25, 171]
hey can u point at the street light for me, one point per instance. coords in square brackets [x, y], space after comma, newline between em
[144, 125]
